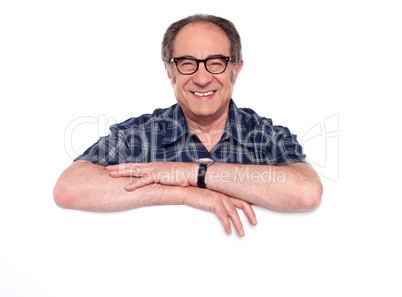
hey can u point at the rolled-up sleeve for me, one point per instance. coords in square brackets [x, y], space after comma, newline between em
[109, 150]
[284, 148]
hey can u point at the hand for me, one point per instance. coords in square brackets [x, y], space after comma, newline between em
[183, 174]
[224, 207]
[165, 173]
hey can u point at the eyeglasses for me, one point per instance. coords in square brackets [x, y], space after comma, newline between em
[189, 65]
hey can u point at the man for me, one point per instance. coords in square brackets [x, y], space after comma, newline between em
[203, 152]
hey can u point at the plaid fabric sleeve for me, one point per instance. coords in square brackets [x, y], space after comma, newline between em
[284, 148]
[109, 150]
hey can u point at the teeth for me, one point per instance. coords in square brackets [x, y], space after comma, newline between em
[204, 94]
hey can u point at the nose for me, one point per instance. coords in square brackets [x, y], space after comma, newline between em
[202, 77]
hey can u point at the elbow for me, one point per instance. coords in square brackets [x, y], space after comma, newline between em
[310, 195]
[62, 195]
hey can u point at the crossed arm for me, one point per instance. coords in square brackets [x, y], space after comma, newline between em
[86, 186]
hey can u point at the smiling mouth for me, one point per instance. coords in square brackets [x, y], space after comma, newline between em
[203, 94]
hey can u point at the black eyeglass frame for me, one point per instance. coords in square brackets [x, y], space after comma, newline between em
[227, 59]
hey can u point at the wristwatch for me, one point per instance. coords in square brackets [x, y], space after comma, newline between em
[202, 171]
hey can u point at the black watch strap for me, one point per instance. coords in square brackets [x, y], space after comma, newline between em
[201, 176]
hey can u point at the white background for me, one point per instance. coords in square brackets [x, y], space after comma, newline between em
[328, 69]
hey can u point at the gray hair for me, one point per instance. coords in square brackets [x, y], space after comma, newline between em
[227, 26]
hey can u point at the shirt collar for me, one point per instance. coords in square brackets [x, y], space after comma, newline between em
[239, 125]
[175, 125]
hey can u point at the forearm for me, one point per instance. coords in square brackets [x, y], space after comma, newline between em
[89, 187]
[294, 187]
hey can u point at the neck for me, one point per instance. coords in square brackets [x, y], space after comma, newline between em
[207, 126]
[209, 131]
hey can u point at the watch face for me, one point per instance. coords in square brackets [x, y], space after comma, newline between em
[205, 161]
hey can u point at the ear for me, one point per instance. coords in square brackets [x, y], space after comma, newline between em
[169, 73]
[167, 70]
[236, 72]
[239, 66]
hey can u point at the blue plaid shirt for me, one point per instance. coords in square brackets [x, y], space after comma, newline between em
[164, 136]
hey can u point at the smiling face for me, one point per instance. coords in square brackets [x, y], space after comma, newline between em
[203, 97]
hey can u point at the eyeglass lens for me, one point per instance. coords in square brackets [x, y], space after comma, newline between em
[213, 65]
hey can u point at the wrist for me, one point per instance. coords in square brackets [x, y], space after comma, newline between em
[203, 165]
[193, 175]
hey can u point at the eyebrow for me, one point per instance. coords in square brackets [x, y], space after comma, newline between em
[209, 57]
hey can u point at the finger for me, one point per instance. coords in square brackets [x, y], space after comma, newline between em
[214, 205]
[144, 180]
[223, 216]
[120, 167]
[247, 208]
[113, 167]
[126, 171]
[234, 216]
[133, 173]
[139, 183]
